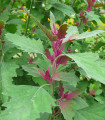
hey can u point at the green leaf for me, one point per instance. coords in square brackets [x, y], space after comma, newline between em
[26, 44]
[91, 64]
[83, 35]
[15, 21]
[72, 30]
[7, 71]
[94, 112]
[31, 70]
[68, 108]
[69, 77]
[5, 15]
[92, 16]
[64, 8]
[27, 103]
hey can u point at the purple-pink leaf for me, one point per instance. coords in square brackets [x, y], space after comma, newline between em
[90, 4]
[46, 75]
[62, 31]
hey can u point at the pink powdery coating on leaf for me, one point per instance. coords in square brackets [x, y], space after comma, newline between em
[65, 105]
[66, 95]
[53, 29]
[46, 75]
[49, 56]
[57, 51]
[62, 60]
[90, 3]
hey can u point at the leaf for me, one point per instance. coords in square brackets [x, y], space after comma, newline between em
[69, 77]
[91, 64]
[1, 24]
[44, 29]
[7, 71]
[92, 16]
[83, 35]
[31, 70]
[94, 112]
[62, 31]
[52, 24]
[27, 103]
[5, 15]
[15, 21]
[72, 30]
[26, 44]
[64, 8]
[68, 108]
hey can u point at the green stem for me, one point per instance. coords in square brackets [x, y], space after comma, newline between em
[27, 24]
[1, 59]
[0, 6]
[54, 63]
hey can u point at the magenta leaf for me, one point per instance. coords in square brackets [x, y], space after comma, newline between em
[46, 75]
[62, 31]
[90, 4]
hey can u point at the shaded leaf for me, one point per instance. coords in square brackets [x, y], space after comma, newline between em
[27, 103]
[94, 112]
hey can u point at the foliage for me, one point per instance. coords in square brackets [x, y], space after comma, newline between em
[52, 60]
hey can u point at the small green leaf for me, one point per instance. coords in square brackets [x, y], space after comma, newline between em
[31, 70]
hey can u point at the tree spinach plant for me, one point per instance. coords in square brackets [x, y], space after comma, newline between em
[49, 80]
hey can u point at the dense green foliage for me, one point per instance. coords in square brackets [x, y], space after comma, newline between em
[52, 60]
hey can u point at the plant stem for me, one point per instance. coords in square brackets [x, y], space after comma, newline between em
[54, 63]
[1, 59]
[27, 24]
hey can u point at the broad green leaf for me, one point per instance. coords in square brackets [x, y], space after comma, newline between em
[31, 70]
[68, 10]
[7, 71]
[68, 77]
[94, 112]
[83, 35]
[91, 64]
[26, 44]
[27, 103]
[68, 109]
